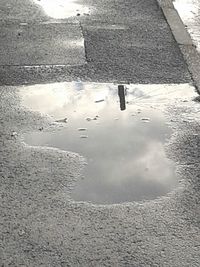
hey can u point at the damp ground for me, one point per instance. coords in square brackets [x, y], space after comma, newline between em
[120, 130]
[62, 9]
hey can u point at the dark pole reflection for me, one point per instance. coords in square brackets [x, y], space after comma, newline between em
[121, 93]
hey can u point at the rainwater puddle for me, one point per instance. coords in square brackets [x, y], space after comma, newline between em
[61, 9]
[121, 131]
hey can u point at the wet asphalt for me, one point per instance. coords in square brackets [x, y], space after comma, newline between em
[127, 42]
[107, 41]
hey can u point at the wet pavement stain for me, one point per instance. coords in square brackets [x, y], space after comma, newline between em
[62, 9]
[124, 148]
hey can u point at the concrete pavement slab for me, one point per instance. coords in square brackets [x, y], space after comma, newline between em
[127, 42]
[42, 44]
[18, 11]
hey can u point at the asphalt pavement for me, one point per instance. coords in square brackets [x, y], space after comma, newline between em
[129, 42]
[50, 44]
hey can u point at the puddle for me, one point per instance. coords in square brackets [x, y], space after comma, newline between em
[121, 131]
[189, 11]
[61, 9]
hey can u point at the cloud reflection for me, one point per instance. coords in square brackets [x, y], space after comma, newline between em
[125, 155]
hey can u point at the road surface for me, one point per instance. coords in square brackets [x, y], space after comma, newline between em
[52, 43]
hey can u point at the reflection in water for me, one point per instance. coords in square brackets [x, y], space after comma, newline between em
[121, 93]
[189, 11]
[61, 9]
[125, 156]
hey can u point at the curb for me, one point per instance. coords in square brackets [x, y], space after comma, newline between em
[176, 24]
[183, 39]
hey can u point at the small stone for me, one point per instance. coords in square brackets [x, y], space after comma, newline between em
[14, 134]
[62, 120]
[88, 119]
[99, 101]
[82, 129]
[145, 119]
[21, 232]
[83, 136]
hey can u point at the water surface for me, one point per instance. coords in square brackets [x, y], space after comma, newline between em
[121, 131]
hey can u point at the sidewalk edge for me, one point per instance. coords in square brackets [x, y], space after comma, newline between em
[183, 39]
[177, 27]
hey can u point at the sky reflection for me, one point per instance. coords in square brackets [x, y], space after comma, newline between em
[124, 149]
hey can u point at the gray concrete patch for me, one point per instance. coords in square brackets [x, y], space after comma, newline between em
[127, 13]
[124, 41]
[42, 44]
[16, 11]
